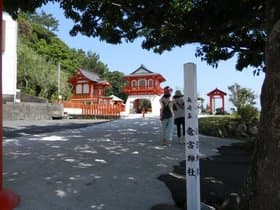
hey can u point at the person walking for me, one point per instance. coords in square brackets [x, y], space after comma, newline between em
[166, 115]
[179, 114]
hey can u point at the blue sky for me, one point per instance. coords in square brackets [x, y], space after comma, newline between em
[129, 56]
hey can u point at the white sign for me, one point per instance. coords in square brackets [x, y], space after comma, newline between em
[192, 140]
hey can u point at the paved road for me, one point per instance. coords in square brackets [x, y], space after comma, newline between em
[109, 166]
[17, 128]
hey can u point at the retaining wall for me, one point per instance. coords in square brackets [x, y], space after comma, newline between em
[32, 111]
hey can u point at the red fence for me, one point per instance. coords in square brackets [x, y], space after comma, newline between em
[95, 109]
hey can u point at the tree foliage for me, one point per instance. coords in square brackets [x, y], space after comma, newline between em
[14, 7]
[221, 31]
[244, 100]
[37, 76]
[40, 52]
[237, 29]
[45, 20]
[91, 61]
[240, 96]
[248, 113]
[117, 84]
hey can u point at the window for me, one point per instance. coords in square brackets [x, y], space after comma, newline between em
[86, 88]
[150, 83]
[142, 83]
[134, 83]
[78, 89]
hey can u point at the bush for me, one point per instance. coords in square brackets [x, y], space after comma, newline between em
[248, 113]
[220, 126]
[225, 126]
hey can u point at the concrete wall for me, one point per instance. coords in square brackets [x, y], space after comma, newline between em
[26, 98]
[32, 111]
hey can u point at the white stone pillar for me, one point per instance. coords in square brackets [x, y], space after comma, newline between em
[192, 140]
[9, 56]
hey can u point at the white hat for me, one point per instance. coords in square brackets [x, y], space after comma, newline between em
[178, 93]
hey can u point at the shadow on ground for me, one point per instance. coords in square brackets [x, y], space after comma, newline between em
[13, 132]
[220, 175]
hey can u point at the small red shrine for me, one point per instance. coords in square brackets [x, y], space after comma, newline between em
[213, 95]
[143, 89]
[89, 96]
[88, 87]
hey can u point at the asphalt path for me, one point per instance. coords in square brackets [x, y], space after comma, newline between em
[17, 128]
[85, 165]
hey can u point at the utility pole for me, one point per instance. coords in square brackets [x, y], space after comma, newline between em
[58, 82]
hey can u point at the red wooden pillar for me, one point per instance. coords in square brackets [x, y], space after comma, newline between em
[8, 199]
[223, 103]
[211, 104]
[1, 100]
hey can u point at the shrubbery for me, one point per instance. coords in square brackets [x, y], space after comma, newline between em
[248, 113]
[231, 126]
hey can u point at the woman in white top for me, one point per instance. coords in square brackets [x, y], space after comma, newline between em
[179, 114]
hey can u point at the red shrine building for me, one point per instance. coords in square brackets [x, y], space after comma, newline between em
[213, 96]
[88, 87]
[143, 90]
[89, 96]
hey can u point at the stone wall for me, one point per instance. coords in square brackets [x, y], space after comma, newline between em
[32, 111]
[24, 98]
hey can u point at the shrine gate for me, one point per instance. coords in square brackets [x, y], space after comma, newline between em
[213, 95]
[144, 91]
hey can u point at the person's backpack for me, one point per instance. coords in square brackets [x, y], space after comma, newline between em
[166, 112]
[178, 105]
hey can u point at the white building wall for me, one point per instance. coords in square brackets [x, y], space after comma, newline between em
[9, 57]
[154, 102]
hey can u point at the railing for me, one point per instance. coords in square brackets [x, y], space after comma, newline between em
[142, 90]
[76, 108]
[89, 97]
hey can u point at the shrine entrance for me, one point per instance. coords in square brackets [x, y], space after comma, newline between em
[141, 104]
[143, 90]
[213, 96]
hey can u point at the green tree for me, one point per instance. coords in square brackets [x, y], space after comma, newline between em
[24, 27]
[38, 77]
[91, 62]
[45, 20]
[247, 29]
[221, 31]
[117, 84]
[241, 97]
[248, 114]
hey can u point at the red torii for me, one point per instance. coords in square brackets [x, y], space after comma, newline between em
[216, 93]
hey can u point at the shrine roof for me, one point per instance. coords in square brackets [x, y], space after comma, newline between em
[142, 70]
[89, 75]
[216, 91]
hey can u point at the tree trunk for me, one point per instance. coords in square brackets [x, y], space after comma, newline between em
[263, 189]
